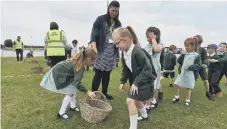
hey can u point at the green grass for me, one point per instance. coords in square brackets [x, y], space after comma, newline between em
[25, 105]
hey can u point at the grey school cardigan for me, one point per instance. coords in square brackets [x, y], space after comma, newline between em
[64, 74]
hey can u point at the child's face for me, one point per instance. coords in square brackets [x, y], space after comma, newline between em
[210, 51]
[188, 47]
[222, 48]
[120, 42]
[174, 51]
[74, 44]
[89, 61]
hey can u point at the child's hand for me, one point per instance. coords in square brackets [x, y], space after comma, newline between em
[91, 94]
[151, 37]
[133, 89]
[121, 86]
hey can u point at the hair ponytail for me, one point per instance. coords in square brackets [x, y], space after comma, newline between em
[77, 59]
[196, 46]
[134, 37]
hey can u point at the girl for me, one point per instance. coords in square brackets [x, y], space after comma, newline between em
[222, 53]
[137, 64]
[154, 48]
[65, 78]
[190, 63]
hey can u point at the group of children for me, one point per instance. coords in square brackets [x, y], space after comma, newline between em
[142, 68]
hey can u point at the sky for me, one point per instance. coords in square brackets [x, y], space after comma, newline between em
[176, 20]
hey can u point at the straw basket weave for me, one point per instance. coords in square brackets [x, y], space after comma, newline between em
[37, 69]
[95, 110]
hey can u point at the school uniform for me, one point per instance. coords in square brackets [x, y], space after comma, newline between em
[202, 71]
[138, 65]
[223, 61]
[188, 69]
[214, 70]
[170, 61]
[63, 78]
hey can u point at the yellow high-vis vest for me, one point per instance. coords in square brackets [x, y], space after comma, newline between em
[55, 45]
[18, 44]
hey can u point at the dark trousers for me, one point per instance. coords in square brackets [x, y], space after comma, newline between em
[56, 59]
[221, 76]
[101, 75]
[19, 52]
[213, 79]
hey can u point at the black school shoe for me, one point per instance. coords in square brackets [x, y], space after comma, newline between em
[142, 119]
[209, 95]
[175, 100]
[187, 103]
[170, 85]
[160, 96]
[74, 109]
[61, 116]
[108, 97]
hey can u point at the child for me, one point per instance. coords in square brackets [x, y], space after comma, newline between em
[221, 52]
[154, 48]
[30, 54]
[190, 63]
[65, 78]
[170, 61]
[202, 71]
[139, 66]
[214, 69]
[75, 49]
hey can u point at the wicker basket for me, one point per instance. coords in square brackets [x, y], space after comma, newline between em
[37, 69]
[95, 110]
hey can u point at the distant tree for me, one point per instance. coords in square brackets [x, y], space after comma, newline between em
[8, 43]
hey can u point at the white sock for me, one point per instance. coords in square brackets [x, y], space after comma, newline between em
[177, 96]
[64, 105]
[154, 101]
[73, 101]
[143, 112]
[133, 121]
[188, 100]
[147, 106]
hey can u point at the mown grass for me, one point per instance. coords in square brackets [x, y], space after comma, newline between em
[25, 105]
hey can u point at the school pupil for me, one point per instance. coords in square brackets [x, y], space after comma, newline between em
[202, 70]
[154, 48]
[189, 64]
[170, 61]
[214, 69]
[65, 78]
[138, 65]
[222, 53]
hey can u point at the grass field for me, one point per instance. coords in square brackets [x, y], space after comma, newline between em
[25, 105]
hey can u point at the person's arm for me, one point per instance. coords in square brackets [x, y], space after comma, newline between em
[146, 66]
[197, 64]
[180, 59]
[95, 32]
[174, 59]
[223, 59]
[124, 73]
[156, 47]
[78, 83]
[22, 46]
[204, 57]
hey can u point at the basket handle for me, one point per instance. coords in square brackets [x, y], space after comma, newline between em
[102, 95]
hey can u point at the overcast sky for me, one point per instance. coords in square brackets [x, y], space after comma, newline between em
[176, 20]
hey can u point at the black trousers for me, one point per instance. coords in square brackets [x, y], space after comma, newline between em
[213, 79]
[56, 59]
[99, 76]
[19, 52]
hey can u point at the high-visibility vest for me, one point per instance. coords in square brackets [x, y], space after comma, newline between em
[18, 44]
[55, 45]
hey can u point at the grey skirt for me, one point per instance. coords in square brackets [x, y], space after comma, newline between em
[143, 94]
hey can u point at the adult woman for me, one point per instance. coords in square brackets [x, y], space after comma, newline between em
[102, 43]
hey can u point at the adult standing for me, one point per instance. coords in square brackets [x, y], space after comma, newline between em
[55, 43]
[18, 47]
[102, 43]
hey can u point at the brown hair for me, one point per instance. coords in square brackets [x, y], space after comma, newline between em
[199, 39]
[135, 39]
[193, 42]
[156, 31]
[172, 47]
[77, 59]
[223, 44]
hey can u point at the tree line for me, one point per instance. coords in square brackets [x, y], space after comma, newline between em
[9, 43]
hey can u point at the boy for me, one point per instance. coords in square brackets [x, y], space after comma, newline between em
[214, 69]
[169, 64]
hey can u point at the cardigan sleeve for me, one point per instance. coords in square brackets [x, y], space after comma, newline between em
[78, 83]
[96, 29]
[224, 58]
[124, 73]
[180, 59]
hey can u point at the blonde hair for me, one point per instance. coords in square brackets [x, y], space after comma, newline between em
[122, 32]
[77, 59]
